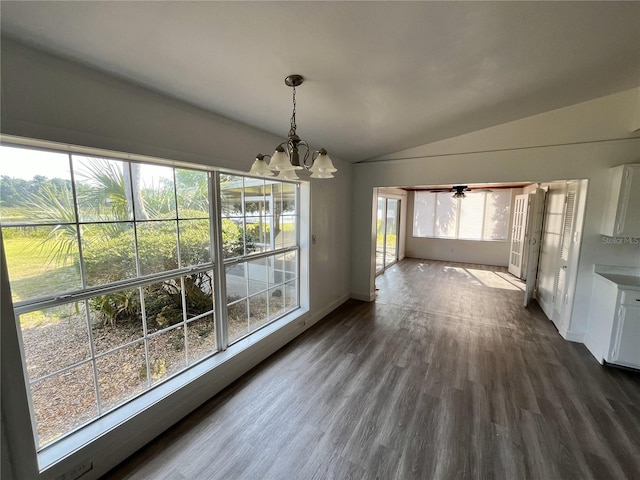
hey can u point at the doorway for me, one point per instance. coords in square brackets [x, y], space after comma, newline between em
[387, 232]
[526, 238]
[549, 235]
[561, 239]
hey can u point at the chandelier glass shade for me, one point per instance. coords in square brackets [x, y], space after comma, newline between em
[294, 154]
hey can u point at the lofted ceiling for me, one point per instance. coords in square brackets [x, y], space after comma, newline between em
[380, 76]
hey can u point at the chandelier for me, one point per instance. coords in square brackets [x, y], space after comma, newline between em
[293, 154]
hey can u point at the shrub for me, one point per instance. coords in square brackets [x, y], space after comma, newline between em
[232, 241]
[112, 258]
[115, 307]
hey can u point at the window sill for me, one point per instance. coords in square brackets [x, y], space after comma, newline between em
[74, 442]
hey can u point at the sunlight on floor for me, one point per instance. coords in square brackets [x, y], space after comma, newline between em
[495, 279]
[486, 278]
[519, 284]
[455, 270]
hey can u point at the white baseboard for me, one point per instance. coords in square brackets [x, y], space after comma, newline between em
[592, 346]
[313, 319]
[577, 337]
[365, 297]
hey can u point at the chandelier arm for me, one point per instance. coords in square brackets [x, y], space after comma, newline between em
[285, 146]
[314, 155]
[307, 154]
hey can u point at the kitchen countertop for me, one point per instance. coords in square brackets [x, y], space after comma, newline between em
[624, 281]
[623, 277]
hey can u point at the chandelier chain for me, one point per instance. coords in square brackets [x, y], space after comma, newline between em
[292, 131]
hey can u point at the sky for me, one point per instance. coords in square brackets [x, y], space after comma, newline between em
[26, 163]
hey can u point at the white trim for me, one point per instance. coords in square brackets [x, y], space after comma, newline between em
[312, 319]
[572, 336]
[593, 348]
[364, 297]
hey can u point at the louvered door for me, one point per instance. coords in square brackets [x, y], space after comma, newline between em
[534, 227]
[560, 298]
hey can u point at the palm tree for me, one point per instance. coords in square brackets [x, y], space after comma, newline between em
[54, 204]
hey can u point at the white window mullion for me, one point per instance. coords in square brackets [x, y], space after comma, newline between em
[273, 217]
[177, 220]
[484, 215]
[219, 274]
[83, 269]
[127, 165]
[92, 352]
[184, 319]
[457, 234]
[433, 218]
[298, 254]
[145, 335]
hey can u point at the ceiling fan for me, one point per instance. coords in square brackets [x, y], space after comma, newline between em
[459, 190]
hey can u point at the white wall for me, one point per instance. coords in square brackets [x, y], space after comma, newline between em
[48, 98]
[537, 161]
[606, 118]
[463, 251]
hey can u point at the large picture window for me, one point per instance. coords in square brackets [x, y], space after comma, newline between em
[479, 215]
[112, 271]
[260, 286]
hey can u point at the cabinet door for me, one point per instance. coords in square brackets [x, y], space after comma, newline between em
[627, 349]
[629, 223]
[622, 215]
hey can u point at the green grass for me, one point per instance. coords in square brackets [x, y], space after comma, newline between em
[31, 273]
[13, 215]
[391, 239]
[27, 253]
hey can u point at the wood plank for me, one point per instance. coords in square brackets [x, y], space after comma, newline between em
[444, 376]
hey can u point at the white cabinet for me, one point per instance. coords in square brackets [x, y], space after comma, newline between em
[622, 210]
[625, 348]
[613, 332]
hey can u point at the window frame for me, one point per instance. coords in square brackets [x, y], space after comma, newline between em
[75, 439]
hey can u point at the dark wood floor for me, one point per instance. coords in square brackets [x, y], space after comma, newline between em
[445, 376]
